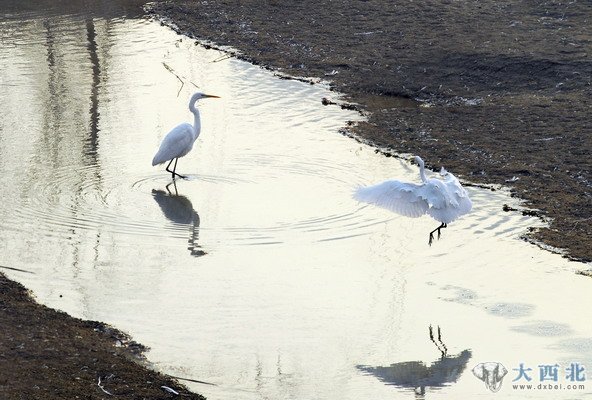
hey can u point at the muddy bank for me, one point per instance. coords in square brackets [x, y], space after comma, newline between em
[46, 354]
[497, 92]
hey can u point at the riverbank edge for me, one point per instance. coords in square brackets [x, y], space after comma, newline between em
[48, 354]
[564, 235]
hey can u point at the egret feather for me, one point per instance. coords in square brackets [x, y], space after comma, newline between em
[445, 199]
[179, 141]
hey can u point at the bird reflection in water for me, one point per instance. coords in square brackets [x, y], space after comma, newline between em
[179, 210]
[418, 375]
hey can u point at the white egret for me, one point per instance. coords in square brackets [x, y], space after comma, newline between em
[443, 199]
[179, 141]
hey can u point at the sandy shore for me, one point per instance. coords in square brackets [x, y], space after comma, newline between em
[497, 92]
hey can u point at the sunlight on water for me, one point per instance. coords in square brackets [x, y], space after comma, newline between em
[259, 273]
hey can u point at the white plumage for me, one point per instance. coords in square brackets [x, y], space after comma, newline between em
[179, 141]
[443, 199]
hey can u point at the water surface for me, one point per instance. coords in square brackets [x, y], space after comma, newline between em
[259, 273]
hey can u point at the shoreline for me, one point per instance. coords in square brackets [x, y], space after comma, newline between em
[47, 354]
[506, 103]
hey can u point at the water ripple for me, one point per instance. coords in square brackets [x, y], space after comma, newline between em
[84, 198]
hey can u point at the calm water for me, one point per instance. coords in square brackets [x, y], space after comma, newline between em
[259, 274]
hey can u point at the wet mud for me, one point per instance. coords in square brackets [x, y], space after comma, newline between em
[46, 354]
[498, 92]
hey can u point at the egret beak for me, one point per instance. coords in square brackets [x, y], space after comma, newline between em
[210, 95]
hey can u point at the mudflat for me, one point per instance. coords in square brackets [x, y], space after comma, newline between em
[47, 354]
[497, 92]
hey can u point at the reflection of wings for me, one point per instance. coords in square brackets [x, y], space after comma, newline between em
[401, 197]
[178, 209]
[415, 374]
[175, 208]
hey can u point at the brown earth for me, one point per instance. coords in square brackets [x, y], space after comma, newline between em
[492, 90]
[499, 92]
[46, 354]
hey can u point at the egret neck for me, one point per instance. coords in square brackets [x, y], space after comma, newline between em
[196, 118]
[421, 169]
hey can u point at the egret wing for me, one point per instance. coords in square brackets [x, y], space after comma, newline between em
[448, 200]
[176, 143]
[459, 194]
[401, 197]
[434, 191]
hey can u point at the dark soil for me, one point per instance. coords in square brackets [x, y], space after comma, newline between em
[46, 354]
[496, 91]
[499, 92]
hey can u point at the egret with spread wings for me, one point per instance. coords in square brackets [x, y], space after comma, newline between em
[443, 199]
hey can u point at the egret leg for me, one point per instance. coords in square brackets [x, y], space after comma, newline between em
[174, 183]
[174, 169]
[443, 225]
[167, 167]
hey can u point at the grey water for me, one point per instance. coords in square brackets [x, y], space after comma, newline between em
[259, 273]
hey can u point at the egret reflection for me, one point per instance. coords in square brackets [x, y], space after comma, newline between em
[179, 210]
[418, 375]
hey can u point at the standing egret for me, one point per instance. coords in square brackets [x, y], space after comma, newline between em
[179, 141]
[443, 199]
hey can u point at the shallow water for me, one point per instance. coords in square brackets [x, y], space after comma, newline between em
[259, 273]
